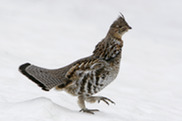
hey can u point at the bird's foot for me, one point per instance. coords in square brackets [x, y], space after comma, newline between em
[106, 100]
[90, 111]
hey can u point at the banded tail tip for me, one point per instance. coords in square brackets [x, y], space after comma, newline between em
[22, 69]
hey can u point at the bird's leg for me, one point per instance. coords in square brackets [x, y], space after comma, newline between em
[81, 103]
[93, 99]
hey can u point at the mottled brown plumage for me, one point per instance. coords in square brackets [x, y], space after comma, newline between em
[87, 76]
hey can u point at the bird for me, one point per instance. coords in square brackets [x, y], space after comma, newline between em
[86, 76]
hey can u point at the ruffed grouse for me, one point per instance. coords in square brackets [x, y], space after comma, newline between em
[87, 76]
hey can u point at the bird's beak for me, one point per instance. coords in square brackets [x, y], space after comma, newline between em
[129, 27]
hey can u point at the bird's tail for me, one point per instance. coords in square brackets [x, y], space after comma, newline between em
[45, 78]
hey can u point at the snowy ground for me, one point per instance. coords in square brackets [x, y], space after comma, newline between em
[53, 33]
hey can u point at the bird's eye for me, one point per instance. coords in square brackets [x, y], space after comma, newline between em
[118, 26]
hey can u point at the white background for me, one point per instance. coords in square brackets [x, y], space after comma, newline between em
[54, 33]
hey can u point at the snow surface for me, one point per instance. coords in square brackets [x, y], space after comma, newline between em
[53, 33]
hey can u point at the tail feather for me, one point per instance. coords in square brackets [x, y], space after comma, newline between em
[42, 77]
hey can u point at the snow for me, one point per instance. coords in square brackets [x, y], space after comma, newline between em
[52, 34]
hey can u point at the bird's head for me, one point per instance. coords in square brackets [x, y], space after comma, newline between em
[119, 27]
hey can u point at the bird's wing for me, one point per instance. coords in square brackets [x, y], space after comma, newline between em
[80, 69]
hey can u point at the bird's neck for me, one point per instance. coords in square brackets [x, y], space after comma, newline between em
[109, 48]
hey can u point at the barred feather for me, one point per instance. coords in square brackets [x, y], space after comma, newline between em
[42, 77]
